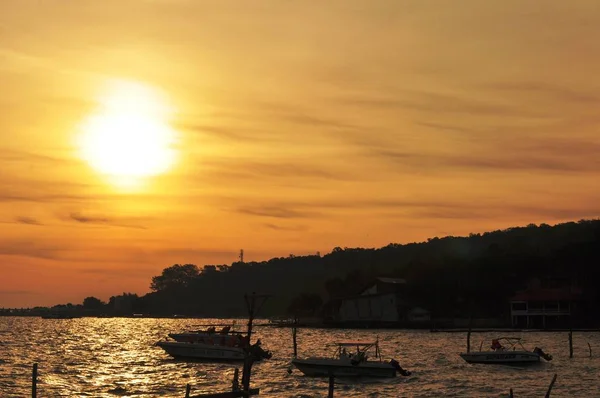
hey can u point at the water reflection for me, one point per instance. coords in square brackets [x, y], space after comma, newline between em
[104, 357]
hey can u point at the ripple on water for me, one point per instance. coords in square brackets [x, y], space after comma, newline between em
[108, 357]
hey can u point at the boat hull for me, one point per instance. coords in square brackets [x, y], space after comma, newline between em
[324, 368]
[201, 351]
[501, 357]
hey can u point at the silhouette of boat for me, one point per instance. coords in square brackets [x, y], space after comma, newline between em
[514, 353]
[224, 345]
[351, 364]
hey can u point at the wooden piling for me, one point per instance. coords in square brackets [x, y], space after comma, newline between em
[469, 340]
[570, 343]
[294, 332]
[510, 394]
[249, 360]
[34, 375]
[188, 389]
[550, 386]
[331, 386]
[235, 384]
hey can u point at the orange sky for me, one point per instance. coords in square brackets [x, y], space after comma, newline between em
[300, 126]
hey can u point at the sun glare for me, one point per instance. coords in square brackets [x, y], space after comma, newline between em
[128, 137]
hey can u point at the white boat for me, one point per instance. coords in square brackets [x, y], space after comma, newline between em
[209, 345]
[511, 353]
[350, 364]
[178, 349]
[224, 336]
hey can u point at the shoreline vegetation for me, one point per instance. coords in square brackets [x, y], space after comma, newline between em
[459, 280]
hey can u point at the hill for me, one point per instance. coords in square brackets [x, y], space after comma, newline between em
[459, 275]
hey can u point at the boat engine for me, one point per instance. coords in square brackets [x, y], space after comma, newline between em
[258, 353]
[541, 353]
[399, 368]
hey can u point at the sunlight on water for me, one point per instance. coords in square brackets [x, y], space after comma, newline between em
[108, 357]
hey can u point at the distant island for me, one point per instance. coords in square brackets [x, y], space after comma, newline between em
[501, 276]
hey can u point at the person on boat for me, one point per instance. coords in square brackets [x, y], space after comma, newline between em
[496, 346]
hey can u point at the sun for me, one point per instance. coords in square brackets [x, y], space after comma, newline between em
[128, 137]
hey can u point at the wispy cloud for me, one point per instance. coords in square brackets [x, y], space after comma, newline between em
[30, 249]
[227, 133]
[27, 221]
[14, 155]
[242, 169]
[103, 220]
[277, 227]
[546, 89]
[425, 208]
[274, 211]
[439, 104]
[19, 293]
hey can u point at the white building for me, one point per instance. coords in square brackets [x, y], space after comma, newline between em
[381, 302]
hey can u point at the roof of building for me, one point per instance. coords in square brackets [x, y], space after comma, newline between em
[392, 280]
[546, 295]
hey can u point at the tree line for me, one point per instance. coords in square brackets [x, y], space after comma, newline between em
[473, 275]
[455, 276]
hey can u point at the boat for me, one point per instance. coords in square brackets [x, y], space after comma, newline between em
[225, 336]
[353, 363]
[512, 352]
[210, 345]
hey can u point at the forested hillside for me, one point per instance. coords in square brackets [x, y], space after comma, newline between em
[449, 275]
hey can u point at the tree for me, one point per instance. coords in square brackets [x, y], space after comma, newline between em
[92, 303]
[305, 304]
[175, 277]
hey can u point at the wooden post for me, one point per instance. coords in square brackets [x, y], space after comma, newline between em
[34, 375]
[331, 386]
[294, 332]
[188, 389]
[248, 360]
[248, 357]
[235, 385]
[510, 394]
[570, 343]
[469, 332]
[550, 386]
[590, 347]
[469, 340]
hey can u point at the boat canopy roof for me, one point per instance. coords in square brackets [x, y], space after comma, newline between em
[355, 343]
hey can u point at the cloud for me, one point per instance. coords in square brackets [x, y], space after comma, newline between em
[228, 133]
[30, 249]
[27, 220]
[425, 208]
[102, 220]
[500, 153]
[267, 170]
[285, 228]
[18, 293]
[274, 211]
[12, 155]
[139, 270]
[188, 253]
[547, 89]
[438, 104]
[8, 197]
[314, 121]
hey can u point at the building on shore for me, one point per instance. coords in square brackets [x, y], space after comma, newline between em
[383, 303]
[546, 303]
